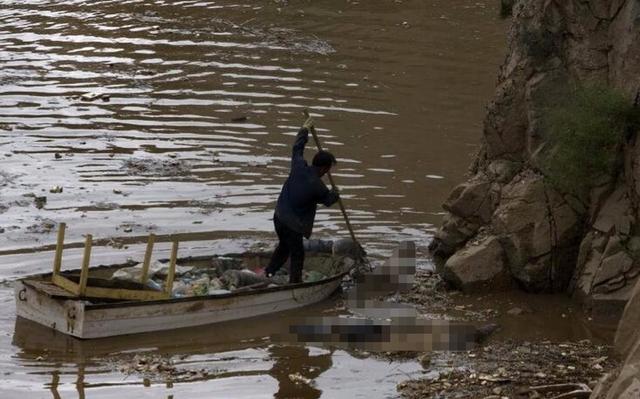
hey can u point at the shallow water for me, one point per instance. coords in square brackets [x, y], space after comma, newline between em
[204, 98]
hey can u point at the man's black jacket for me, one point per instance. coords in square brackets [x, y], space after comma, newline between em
[302, 191]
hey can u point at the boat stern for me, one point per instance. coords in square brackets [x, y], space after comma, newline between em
[64, 315]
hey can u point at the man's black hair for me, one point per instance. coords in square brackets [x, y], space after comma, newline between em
[324, 159]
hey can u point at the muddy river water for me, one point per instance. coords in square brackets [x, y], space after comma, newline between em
[171, 117]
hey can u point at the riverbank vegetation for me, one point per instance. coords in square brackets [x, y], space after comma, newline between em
[585, 128]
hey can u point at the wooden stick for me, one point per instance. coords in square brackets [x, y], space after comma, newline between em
[172, 268]
[333, 184]
[147, 259]
[80, 384]
[559, 387]
[577, 394]
[571, 390]
[84, 273]
[57, 261]
[261, 284]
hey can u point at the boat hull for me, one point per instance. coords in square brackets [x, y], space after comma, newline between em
[85, 320]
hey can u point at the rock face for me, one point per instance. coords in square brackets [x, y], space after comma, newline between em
[507, 219]
[625, 384]
[476, 265]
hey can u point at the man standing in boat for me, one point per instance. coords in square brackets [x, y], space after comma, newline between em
[296, 208]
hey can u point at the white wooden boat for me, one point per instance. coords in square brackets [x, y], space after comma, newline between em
[40, 300]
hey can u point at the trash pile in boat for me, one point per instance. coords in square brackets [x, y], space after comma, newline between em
[225, 275]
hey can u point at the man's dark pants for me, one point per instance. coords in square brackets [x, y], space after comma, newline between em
[290, 245]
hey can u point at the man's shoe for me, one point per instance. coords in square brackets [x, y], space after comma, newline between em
[262, 272]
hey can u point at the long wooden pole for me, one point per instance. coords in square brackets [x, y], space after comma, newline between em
[333, 184]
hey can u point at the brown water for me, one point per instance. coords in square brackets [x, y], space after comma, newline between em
[204, 100]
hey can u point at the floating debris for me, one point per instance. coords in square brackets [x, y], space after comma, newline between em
[43, 227]
[156, 167]
[154, 368]
[298, 378]
[40, 201]
[95, 96]
[105, 206]
[242, 118]
[129, 227]
[205, 207]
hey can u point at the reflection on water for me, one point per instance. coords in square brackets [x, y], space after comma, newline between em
[298, 358]
[227, 358]
[177, 117]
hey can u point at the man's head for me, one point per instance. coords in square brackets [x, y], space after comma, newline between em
[323, 161]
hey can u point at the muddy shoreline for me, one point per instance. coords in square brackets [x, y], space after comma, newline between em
[512, 361]
[523, 370]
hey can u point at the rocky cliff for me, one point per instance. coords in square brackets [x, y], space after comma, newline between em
[507, 225]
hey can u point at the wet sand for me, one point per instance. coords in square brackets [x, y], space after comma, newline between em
[188, 113]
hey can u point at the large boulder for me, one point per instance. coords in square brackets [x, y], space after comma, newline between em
[480, 264]
[539, 232]
[473, 200]
[469, 206]
[537, 229]
[452, 235]
[616, 214]
[609, 261]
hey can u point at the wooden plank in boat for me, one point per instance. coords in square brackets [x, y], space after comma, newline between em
[48, 288]
[110, 293]
[55, 291]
